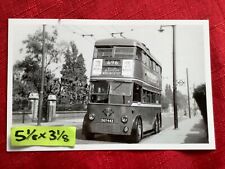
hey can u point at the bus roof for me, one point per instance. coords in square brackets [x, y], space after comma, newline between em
[125, 42]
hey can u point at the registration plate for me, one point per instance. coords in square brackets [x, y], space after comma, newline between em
[104, 120]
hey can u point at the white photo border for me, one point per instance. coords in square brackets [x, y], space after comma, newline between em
[12, 23]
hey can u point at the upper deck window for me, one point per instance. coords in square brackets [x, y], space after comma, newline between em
[154, 66]
[145, 59]
[139, 54]
[121, 52]
[158, 69]
[104, 52]
[117, 52]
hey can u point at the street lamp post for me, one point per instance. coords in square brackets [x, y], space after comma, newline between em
[174, 73]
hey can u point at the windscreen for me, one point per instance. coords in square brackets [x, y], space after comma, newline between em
[120, 92]
[99, 92]
[120, 88]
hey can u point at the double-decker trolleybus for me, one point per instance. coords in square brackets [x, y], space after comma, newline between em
[125, 90]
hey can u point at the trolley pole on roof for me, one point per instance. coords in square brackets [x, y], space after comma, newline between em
[189, 108]
[174, 73]
[42, 79]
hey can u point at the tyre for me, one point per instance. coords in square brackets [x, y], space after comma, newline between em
[156, 125]
[88, 135]
[136, 133]
[160, 120]
[85, 129]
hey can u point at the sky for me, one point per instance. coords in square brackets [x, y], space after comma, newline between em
[190, 43]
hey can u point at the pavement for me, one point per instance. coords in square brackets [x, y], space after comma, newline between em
[191, 130]
[61, 120]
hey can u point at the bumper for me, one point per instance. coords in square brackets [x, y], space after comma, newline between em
[107, 128]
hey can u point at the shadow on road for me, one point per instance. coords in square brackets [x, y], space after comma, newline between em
[109, 138]
[198, 134]
[102, 137]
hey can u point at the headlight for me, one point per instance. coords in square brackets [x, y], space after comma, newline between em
[124, 119]
[125, 129]
[91, 117]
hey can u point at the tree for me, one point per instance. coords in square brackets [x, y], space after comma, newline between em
[168, 98]
[169, 93]
[19, 88]
[30, 66]
[164, 102]
[20, 101]
[33, 46]
[200, 97]
[73, 74]
[181, 100]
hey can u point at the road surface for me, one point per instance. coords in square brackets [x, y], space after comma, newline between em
[76, 119]
[167, 121]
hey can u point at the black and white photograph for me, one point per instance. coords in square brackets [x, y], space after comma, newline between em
[124, 84]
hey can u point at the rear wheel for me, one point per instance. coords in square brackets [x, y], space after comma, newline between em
[136, 133]
[157, 125]
[160, 120]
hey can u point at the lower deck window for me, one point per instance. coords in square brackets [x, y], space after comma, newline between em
[150, 97]
[136, 93]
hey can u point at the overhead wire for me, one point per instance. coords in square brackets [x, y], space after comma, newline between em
[71, 30]
[82, 33]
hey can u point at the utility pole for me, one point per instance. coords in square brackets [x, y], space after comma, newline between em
[42, 79]
[174, 79]
[189, 108]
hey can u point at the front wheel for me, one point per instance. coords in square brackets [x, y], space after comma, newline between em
[136, 133]
[89, 136]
